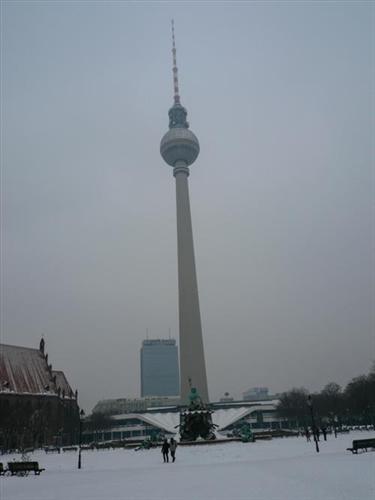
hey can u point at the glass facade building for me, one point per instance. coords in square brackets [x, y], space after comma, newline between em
[159, 368]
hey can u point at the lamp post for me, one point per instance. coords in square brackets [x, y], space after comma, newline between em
[334, 420]
[310, 405]
[81, 415]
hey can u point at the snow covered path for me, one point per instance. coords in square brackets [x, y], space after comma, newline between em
[281, 469]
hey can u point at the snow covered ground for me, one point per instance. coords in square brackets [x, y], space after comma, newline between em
[281, 469]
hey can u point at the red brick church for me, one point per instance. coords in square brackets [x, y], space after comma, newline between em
[37, 405]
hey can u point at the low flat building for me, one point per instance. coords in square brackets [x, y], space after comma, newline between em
[163, 422]
[131, 405]
[256, 394]
[227, 398]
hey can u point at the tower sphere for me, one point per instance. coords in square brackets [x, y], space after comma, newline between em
[179, 144]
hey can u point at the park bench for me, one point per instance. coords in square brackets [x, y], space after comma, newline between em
[103, 446]
[23, 468]
[87, 447]
[118, 444]
[52, 449]
[362, 444]
[259, 436]
[28, 450]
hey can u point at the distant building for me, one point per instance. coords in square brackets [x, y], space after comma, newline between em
[256, 394]
[37, 405]
[159, 368]
[133, 405]
[227, 398]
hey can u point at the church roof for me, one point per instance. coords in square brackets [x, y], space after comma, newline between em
[24, 370]
[61, 382]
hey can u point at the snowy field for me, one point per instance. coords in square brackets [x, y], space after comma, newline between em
[281, 469]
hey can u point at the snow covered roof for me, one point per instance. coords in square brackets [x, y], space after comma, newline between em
[165, 421]
[224, 418]
[62, 383]
[230, 404]
[24, 370]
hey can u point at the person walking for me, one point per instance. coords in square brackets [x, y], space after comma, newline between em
[165, 450]
[172, 447]
[324, 431]
[317, 433]
[307, 434]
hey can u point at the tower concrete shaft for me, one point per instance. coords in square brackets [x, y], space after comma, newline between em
[192, 361]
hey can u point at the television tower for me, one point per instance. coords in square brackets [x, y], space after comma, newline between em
[179, 148]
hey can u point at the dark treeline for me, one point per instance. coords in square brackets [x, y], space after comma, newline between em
[353, 405]
[98, 422]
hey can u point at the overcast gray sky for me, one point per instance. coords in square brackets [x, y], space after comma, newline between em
[280, 95]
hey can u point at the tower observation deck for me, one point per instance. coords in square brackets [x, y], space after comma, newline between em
[180, 148]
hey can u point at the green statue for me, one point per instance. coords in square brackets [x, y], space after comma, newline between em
[195, 402]
[246, 434]
[196, 421]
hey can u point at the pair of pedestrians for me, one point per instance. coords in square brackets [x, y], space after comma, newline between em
[169, 447]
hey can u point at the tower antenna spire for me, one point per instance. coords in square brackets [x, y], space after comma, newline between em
[175, 70]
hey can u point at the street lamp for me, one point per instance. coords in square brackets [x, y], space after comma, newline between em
[81, 416]
[314, 428]
[334, 421]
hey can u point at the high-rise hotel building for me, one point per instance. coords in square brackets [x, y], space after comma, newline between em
[159, 368]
